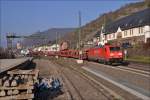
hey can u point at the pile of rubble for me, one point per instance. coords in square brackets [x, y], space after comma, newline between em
[47, 88]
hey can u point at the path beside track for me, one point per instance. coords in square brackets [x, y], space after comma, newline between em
[8, 64]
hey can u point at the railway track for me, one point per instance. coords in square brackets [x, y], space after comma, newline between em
[70, 85]
[134, 70]
[137, 82]
[78, 90]
[132, 80]
[130, 69]
[99, 88]
[72, 93]
[109, 94]
[69, 70]
[143, 67]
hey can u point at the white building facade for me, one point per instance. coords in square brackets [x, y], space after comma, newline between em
[139, 31]
[134, 28]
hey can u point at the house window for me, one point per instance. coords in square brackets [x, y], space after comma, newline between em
[140, 30]
[109, 36]
[125, 33]
[131, 32]
[105, 37]
[113, 35]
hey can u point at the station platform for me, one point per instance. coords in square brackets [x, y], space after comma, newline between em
[7, 64]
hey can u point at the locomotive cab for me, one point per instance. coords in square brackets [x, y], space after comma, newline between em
[114, 54]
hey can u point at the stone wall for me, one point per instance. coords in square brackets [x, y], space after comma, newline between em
[132, 40]
[138, 47]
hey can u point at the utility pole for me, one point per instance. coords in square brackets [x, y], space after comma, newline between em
[79, 29]
[56, 43]
[56, 40]
[104, 23]
[59, 36]
[0, 41]
[0, 51]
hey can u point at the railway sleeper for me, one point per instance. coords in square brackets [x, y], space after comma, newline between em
[18, 83]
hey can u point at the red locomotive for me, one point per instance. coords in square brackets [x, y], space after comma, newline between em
[107, 54]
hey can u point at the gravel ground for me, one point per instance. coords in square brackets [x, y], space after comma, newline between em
[75, 87]
[47, 70]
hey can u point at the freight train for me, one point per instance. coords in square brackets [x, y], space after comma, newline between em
[107, 54]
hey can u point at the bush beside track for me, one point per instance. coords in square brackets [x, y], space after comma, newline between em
[139, 59]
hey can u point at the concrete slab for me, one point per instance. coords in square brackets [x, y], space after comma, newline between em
[6, 64]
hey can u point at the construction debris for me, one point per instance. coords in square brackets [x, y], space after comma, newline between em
[47, 86]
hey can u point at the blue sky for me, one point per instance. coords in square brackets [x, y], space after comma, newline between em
[28, 16]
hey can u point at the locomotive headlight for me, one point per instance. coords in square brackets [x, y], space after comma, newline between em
[120, 54]
[111, 54]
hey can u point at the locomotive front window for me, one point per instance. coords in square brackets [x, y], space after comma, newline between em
[114, 48]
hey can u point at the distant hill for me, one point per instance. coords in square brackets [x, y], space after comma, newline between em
[90, 29]
[46, 37]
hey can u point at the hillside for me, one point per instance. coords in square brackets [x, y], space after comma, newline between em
[47, 36]
[90, 29]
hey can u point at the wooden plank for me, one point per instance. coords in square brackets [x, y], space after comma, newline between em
[24, 72]
[18, 97]
[8, 64]
[20, 87]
